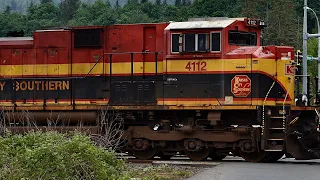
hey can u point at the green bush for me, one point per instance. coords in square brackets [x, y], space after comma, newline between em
[51, 155]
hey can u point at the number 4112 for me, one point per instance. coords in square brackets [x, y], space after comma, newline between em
[196, 66]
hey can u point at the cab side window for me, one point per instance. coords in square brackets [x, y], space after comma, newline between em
[242, 38]
[175, 43]
[203, 44]
[196, 42]
[189, 42]
[215, 42]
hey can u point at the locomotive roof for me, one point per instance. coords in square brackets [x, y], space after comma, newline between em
[16, 41]
[201, 23]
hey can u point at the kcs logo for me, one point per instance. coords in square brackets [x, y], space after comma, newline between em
[290, 69]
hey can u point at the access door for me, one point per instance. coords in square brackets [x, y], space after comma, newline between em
[150, 58]
[138, 88]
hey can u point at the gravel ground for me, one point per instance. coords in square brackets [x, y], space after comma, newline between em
[181, 168]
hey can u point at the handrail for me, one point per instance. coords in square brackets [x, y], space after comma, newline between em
[263, 113]
[97, 61]
[284, 101]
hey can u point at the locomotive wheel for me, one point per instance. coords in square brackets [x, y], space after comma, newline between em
[272, 157]
[145, 154]
[257, 156]
[198, 155]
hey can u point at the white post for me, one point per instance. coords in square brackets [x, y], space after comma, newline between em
[305, 46]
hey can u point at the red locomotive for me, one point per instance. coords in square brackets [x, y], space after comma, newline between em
[204, 87]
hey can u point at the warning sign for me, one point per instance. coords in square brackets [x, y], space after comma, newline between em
[290, 69]
[241, 86]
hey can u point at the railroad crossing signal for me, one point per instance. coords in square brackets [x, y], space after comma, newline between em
[300, 57]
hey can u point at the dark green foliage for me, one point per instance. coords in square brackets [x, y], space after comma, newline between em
[8, 10]
[11, 22]
[177, 3]
[46, 1]
[52, 155]
[165, 2]
[67, 9]
[215, 8]
[98, 13]
[117, 6]
[42, 16]
[283, 17]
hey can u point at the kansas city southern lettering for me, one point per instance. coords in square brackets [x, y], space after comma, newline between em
[38, 85]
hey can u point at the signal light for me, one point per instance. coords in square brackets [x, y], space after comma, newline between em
[299, 59]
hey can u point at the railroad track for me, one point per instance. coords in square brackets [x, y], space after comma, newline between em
[184, 160]
[176, 160]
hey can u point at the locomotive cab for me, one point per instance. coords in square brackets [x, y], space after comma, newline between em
[221, 58]
[212, 37]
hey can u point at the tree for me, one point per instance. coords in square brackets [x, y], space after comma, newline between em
[133, 2]
[31, 8]
[68, 9]
[250, 8]
[108, 3]
[11, 21]
[214, 8]
[42, 16]
[184, 2]
[46, 1]
[177, 3]
[13, 5]
[281, 29]
[31, 4]
[165, 2]
[134, 16]
[171, 13]
[117, 6]
[8, 10]
[98, 13]
[158, 2]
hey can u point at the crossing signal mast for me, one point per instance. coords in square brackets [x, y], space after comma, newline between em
[305, 57]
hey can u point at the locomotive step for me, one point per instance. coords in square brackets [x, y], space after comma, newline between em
[275, 139]
[273, 150]
[277, 117]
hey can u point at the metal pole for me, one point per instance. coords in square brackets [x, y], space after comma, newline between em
[318, 59]
[305, 46]
[318, 55]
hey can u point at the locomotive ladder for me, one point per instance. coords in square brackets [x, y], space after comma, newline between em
[273, 125]
[274, 135]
